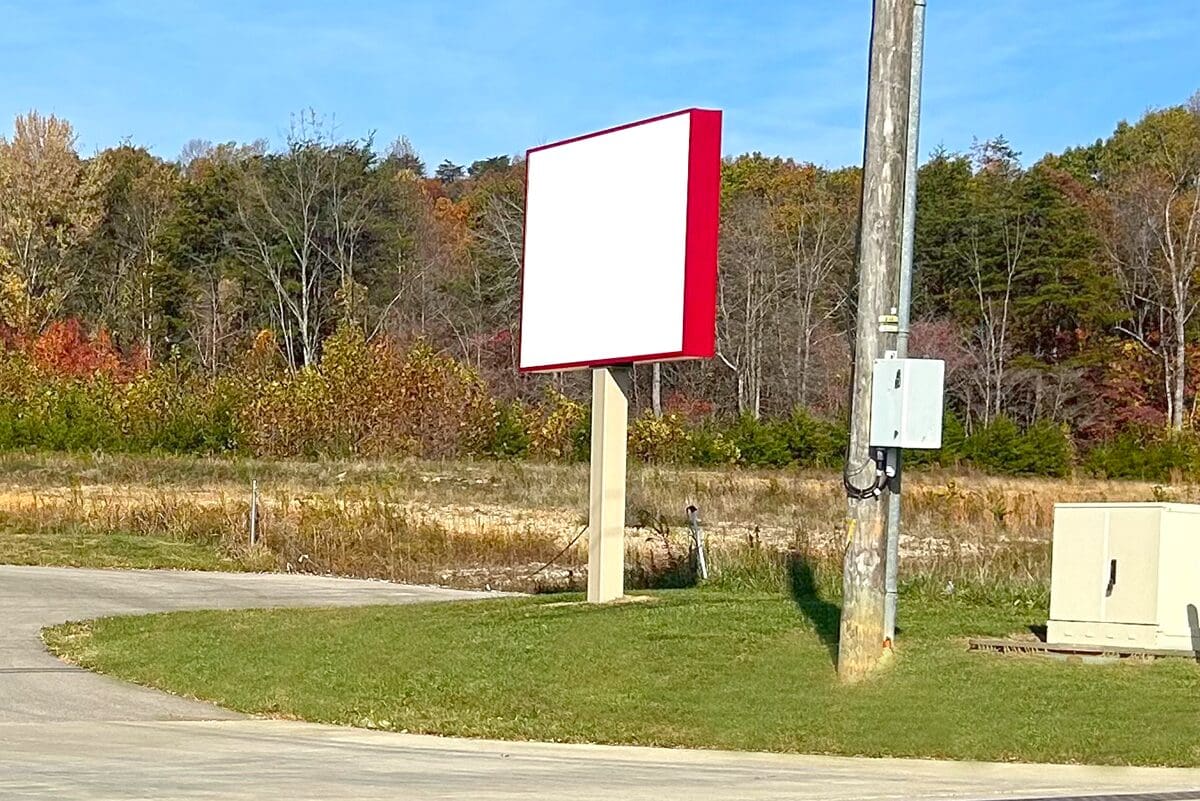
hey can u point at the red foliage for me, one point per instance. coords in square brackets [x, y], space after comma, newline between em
[1130, 392]
[10, 338]
[64, 348]
[138, 361]
[691, 409]
[941, 339]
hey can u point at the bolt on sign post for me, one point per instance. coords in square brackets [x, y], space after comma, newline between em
[611, 278]
[860, 645]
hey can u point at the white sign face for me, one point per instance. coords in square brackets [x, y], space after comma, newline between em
[620, 245]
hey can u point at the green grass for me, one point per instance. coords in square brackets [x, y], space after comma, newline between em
[26, 543]
[689, 668]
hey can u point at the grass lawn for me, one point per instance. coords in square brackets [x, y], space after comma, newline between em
[688, 668]
[25, 543]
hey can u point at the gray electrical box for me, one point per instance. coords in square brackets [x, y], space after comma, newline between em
[1126, 574]
[906, 403]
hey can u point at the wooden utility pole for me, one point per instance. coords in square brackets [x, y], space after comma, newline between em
[861, 643]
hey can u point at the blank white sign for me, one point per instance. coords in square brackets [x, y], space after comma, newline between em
[606, 246]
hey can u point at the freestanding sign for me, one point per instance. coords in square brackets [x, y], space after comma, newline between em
[620, 267]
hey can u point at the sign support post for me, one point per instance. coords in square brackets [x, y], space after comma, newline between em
[606, 509]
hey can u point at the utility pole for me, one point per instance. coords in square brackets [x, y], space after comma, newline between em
[881, 223]
[906, 271]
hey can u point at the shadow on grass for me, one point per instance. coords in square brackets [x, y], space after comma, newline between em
[676, 570]
[824, 615]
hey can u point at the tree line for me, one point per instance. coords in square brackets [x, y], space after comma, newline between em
[1062, 292]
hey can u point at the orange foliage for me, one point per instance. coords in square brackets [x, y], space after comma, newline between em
[65, 349]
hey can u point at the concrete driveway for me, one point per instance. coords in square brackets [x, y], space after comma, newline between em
[34, 685]
[66, 733]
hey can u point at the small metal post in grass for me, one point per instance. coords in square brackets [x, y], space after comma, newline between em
[693, 513]
[253, 512]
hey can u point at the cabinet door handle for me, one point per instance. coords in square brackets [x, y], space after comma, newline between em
[1112, 577]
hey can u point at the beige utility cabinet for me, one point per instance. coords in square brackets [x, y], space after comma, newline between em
[1126, 575]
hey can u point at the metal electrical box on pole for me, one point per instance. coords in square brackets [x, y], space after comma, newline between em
[907, 398]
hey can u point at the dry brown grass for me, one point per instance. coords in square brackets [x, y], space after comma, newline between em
[494, 523]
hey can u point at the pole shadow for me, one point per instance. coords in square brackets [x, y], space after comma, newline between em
[824, 616]
[1194, 626]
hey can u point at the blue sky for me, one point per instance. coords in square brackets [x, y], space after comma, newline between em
[465, 80]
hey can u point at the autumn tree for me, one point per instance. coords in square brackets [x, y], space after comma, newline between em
[304, 215]
[490, 297]
[1064, 290]
[786, 278]
[401, 156]
[132, 288]
[748, 297]
[1152, 177]
[48, 207]
[199, 240]
[448, 172]
[817, 221]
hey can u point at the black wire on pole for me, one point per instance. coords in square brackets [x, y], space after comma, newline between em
[574, 540]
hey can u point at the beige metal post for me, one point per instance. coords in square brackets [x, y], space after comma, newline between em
[606, 512]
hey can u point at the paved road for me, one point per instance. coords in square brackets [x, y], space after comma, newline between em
[71, 734]
[36, 686]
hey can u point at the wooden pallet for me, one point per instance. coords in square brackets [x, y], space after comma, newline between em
[1076, 652]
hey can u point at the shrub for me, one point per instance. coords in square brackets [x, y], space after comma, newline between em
[658, 439]
[560, 429]
[171, 409]
[286, 416]
[1146, 455]
[371, 399]
[813, 442]
[708, 447]
[1044, 449]
[760, 443]
[510, 433]
[799, 439]
[954, 437]
[439, 405]
[65, 349]
[66, 390]
[1049, 450]
[65, 415]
